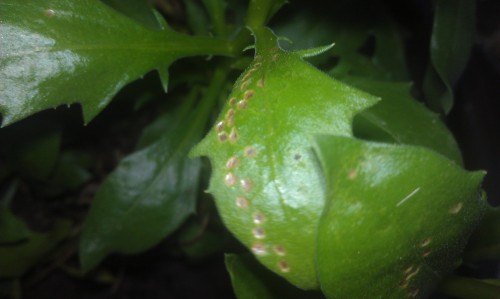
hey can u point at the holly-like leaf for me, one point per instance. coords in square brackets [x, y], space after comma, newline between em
[396, 218]
[399, 118]
[266, 180]
[451, 43]
[61, 52]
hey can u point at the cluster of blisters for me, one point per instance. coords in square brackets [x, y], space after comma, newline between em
[408, 274]
[227, 132]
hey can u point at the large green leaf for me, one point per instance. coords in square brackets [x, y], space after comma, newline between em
[266, 180]
[60, 52]
[396, 218]
[147, 197]
[451, 43]
[152, 191]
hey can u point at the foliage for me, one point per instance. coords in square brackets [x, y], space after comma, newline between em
[331, 179]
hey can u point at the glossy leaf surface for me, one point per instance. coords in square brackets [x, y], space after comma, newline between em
[265, 180]
[148, 196]
[381, 234]
[61, 52]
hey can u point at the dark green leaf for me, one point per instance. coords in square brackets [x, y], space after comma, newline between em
[151, 192]
[451, 43]
[197, 17]
[62, 52]
[69, 173]
[402, 119]
[147, 197]
[381, 234]
[485, 242]
[22, 248]
[251, 280]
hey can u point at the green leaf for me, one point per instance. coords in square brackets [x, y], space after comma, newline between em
[152, 191]
[147, 197]
[22, 248]
[381, 234]
[252, 281]
[399, 118]
[451, 43]
[197, 17]
[63, 52]
[265, 179]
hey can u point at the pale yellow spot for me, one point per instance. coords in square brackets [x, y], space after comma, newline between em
[232, 162]
[248, 94]
[259, 233]
[409, 276]
[241, 202]
[258, 218]
[246, 184]
[456, 208]
[353, 173]
[275, 57]
[222, 136]
[260, 83]
[242, 104]
[233, 136]
[259, 248]
[284, 267]
[250, 152]
[50, 12]
[220, 126]
[230, 117]
[425, 242]
[279, 250]
[413, 293]
[247, 75]
[257, 65]
[408, 270]
[230, 179]
[245, 84]
[426, 253]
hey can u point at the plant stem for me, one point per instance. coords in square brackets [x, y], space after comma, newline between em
[260, 11]
[468, 288]
[216, 11]
[201, 45]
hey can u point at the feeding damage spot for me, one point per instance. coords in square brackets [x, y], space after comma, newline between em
[50, 13]
[230, 179]
[241, 202]
[455, 209]
[249, 152]
[259, 248]
[284, 267]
